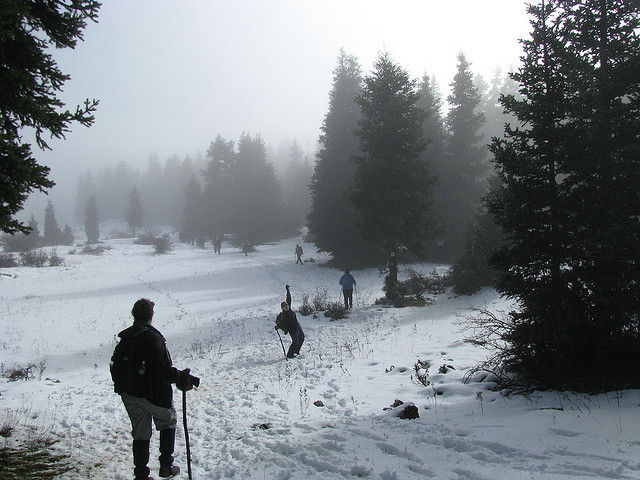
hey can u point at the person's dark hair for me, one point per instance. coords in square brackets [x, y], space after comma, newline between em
[142, 310]
[346, 270]
[283, 304]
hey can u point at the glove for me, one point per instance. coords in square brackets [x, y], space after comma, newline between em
[287, 287]
[276, 327]
[186, 381]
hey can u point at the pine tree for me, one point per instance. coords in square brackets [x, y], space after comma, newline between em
[23, 242]
[221, 158]
[91, 223]
[52, 232]
[85, 187]
[332, 219]
[67, 236]
[568, 198]
[462, 173]
[255, 204]
[295, 184]
[30, 82]
[134, 213]
[192, 217]
[393, 186]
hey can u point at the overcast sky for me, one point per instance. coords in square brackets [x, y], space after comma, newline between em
[171, 75]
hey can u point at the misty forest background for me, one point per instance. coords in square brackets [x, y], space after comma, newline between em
[248, 190]
[527, 182]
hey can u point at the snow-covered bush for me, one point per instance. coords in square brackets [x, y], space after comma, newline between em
[335, 310]
[34, 258]
[55, 260]
[7, 260]
[162, 244]
[306, 308]
[94, 250]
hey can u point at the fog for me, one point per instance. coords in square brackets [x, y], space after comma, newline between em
[170, 76]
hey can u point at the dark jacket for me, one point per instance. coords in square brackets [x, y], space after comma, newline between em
[288, 322]
[347, 281]
[159, 372]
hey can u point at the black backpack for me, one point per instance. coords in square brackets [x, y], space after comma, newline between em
[127, 366]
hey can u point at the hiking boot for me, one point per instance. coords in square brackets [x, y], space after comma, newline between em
[140, 459]
[169, 471]
[167, 441]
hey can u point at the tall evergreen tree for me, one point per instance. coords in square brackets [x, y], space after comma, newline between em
[192, 217]
[257, 207]
[568, 198]
[85, 187]
[221, 157]
[91, 223]
[52, 232]
[462, 174]
[433, 127]
[332, 219]
[295, 184]
[393, 185]
[134, 214]
[30, 82]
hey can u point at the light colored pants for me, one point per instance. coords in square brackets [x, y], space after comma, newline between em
[141, 411]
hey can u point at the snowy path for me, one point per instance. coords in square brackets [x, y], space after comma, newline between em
[217, 314]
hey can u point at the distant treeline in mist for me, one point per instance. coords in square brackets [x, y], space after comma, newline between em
[232, 189]
[235, 189]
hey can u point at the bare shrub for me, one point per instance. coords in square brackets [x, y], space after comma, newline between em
[94, 250]
[335, 310]
[421, 372]
[319, 301]
[306, 308]
[489, 331]
[7, 260]
[55, 260]
[34, 258]
[33, 459]
[162, 244]
[27, 372]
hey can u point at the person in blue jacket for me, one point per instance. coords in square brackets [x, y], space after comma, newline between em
[347, 282]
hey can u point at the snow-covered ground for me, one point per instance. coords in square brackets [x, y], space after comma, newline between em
[217, 313]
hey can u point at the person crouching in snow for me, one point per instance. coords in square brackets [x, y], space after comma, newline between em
[142, 373]
[288, 323]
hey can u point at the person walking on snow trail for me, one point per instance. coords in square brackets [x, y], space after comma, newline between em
[288, 323]
[246, 247]
[347, 282]
[298, 254]
[142, 373]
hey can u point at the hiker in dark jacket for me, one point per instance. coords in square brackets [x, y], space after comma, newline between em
[287, 321]
[145, 388]
[298, 254]
[347, 282]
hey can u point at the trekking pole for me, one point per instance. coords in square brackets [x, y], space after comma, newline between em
[186, 431]
[281, 343]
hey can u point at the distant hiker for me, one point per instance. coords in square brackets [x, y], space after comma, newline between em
[246, 247]
[288, 323]
[298, 254]
[217, 244]
[347, 282]
[288, 299]
[142, 374]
